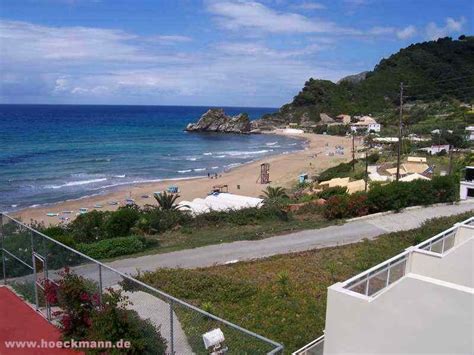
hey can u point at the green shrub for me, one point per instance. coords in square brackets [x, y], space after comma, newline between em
[332, 191]
[398, 195]
[160, 220]
[337, 207]
[120, 222]
[66, 240]
[340, 170]
[272, 210]
[114, 322]
[54, 232]
[76, 298]
[88, 227]
[373, 158]
[109, 248]
[446, 188]
[358, 204]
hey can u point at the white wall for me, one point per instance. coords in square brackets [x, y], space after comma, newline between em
[464, 186]
[413, 316]
[464, 233]
[455, 266]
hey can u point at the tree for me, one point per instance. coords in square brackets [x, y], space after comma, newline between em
[272, 194]
[167, 201]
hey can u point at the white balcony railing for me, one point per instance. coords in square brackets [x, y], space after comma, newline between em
[377, 278]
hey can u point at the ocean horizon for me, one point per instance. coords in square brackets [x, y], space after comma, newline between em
[52, 153]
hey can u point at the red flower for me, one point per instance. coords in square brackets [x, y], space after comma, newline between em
[66, 322]
[96, 299]
[51, 292]
[84, 296]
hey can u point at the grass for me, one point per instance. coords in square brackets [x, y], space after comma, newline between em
[284, 297]
[188, 237]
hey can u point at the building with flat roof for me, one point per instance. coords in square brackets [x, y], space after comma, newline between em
[466, 186]
[420, 301]
[367, 124]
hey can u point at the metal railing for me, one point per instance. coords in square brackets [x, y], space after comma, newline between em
[30, 257]
[443, 241]
[377, 278]
[316, 347]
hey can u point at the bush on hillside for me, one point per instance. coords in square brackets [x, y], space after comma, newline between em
[114, 322]
[336, 207]
[109, 248]
[340, 170]
[393, 196]
[88, 227]
[398, 195]
[332, 191]
[157, 220]
[120, 222]
[245, 216]
[346, 206]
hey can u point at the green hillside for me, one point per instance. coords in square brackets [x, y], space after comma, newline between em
[434, 71]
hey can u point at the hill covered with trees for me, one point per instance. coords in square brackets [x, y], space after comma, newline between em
[433, 71]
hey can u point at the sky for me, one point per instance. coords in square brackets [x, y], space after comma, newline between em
[193, 52]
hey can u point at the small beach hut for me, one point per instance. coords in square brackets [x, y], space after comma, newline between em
[303, 177]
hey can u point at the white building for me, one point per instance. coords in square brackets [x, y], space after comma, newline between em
[418, 302]
[366, 124]
[466, 186]
[470, 133]
[435, 149]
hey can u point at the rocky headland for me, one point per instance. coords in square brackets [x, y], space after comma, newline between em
[216, 120]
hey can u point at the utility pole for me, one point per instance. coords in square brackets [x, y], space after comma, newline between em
[400, 132]
[353, 152]
[366, 169]
[450, 169]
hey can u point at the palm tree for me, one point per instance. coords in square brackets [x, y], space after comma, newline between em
[167, 201]
[274, 194]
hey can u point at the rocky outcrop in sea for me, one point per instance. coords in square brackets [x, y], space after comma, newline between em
[216, 120]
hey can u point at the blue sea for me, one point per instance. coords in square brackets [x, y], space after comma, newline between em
[51, 153]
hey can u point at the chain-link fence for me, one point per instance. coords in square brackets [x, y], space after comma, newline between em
[31, 259]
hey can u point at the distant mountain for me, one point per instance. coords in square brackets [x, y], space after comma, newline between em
[430, 71]
[354, 79]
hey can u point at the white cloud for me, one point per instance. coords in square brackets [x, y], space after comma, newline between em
[256, 49]
[310, 6]
[93, 65]
[407, 32]
[170, 39]
[380, 31]
[452, 26]
[25, 40]
[253, 15]
[357, 2]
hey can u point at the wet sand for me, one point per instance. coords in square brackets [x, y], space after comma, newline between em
[284, 171]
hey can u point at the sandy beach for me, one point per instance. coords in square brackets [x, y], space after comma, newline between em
[284, 171]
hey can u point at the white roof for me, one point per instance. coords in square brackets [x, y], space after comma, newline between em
[414, 176]
[221, 202]
[416, 159]
[386, 139]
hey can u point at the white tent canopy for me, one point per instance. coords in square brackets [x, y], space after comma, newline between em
[220, 202]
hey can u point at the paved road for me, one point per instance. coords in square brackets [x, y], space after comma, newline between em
[349, 232]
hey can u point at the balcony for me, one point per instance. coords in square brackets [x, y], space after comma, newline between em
[414, 298]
